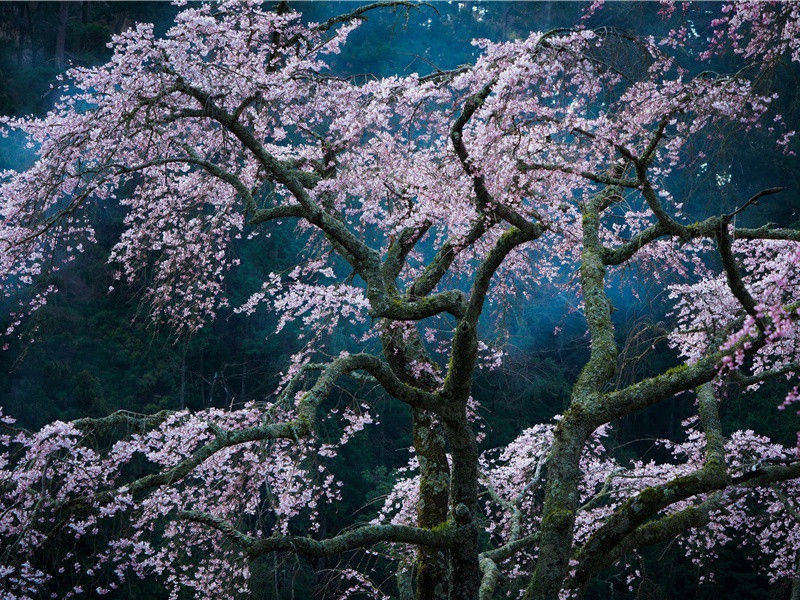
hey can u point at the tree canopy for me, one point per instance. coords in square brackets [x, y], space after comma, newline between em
[426, 206]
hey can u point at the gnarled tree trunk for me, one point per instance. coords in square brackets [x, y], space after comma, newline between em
[563, 468]
[434, 473]
[464, 569]
[430, 572]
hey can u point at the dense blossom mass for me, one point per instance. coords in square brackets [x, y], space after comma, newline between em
[427, 206]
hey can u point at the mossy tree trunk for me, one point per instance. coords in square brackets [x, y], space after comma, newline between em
[563, 467]
[403, 348]
[434, 472]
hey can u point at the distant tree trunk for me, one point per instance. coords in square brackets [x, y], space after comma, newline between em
[25, 37]
[61, 35]
[84, 22]
[183, 378]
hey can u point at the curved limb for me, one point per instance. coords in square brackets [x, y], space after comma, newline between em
[672, 525]
[300, 426]
[638, 509]
[359, 537]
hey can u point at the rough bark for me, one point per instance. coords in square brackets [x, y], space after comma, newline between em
[430, 570]
[558, 513]
[563, 469]
[61, 35]
[631, 515]
[434, 472]
[359, 537]
[464, 571]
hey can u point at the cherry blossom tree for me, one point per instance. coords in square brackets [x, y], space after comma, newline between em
[426, 204]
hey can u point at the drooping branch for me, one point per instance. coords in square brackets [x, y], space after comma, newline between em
[302, 425]
[487, 560]
[359, 13]
[733, 275]
[513, 506]
[441, 537]
[192, 159]
[648, 534]
[687, 376]
[223, 439]
[362, 258]
[667, 227]
[678, 523]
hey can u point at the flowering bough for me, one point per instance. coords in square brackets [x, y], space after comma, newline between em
[425, 203]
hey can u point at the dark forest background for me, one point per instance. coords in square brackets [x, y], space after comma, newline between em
[90, 352]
